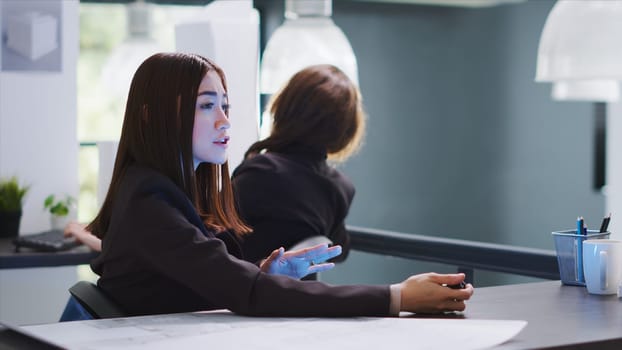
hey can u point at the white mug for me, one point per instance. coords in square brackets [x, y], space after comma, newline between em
[602, 265]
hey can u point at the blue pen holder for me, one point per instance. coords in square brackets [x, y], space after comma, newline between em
[569, 247]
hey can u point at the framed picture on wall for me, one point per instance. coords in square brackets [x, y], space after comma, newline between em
[31, 35]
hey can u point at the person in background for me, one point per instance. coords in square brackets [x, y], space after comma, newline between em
[78, 232]
[285, 189]
[169, 213]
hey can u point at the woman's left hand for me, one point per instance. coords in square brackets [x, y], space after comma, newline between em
[299, 263]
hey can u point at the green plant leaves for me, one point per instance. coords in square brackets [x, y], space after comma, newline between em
[49, 200]
[59, 207]
[11, 194]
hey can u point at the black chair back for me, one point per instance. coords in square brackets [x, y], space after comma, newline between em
[95, 301]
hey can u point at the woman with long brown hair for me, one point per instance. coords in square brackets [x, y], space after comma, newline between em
[169, 225]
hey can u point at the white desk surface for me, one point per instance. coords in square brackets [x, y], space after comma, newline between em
[558, 317]
[225, 330]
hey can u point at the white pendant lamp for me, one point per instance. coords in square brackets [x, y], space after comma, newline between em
[586, 90]
[580, 50]
[122, 63]
[308, 36]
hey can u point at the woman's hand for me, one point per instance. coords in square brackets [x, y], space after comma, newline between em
[299, 263]
[76, 230]
[79, 232]
[428, 293]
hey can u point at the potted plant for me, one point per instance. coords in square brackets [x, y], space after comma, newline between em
[11, 200]
[59, 210]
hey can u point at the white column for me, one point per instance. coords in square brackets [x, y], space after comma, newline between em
[228, 33]
[39, 144]
[38, 117]
[613, 192]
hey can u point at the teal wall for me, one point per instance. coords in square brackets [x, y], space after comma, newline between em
[461, 141]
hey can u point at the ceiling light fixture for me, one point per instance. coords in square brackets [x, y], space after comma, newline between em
[579, 50]
[308, 36]
[122, 63]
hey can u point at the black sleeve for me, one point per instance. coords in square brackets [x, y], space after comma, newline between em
[179, 251]
[340, 236]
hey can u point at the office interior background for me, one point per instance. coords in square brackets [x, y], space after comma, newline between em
[461, 142]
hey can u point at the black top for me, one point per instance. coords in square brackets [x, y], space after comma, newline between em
[289, 196]
[158, 257]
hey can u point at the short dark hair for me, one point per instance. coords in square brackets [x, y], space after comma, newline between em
[320, 107]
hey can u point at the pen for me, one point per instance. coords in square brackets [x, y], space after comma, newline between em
[581, 226]
[605, 223]
[460, 285]
[579, 250]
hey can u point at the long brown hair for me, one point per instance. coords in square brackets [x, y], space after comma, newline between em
[319, 106]
[157, 133]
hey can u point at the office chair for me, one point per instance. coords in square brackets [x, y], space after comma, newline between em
[95, 301]
[310, 242]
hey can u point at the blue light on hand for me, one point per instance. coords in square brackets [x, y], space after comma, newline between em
[299, 263]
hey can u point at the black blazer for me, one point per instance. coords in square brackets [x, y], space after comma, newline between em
[289, 196]
[157, 257]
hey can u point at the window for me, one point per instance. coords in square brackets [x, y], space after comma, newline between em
[104, 32]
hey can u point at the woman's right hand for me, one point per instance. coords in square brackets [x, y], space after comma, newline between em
[428, 293]
[79, 232]
[300, 263]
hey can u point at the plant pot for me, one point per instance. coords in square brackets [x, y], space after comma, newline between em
[9, 223]
[59, 222]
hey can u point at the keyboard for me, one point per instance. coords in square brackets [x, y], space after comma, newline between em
[47, 241]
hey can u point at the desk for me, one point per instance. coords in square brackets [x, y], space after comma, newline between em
[24, 275]
[559, 317]
[10, 259]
